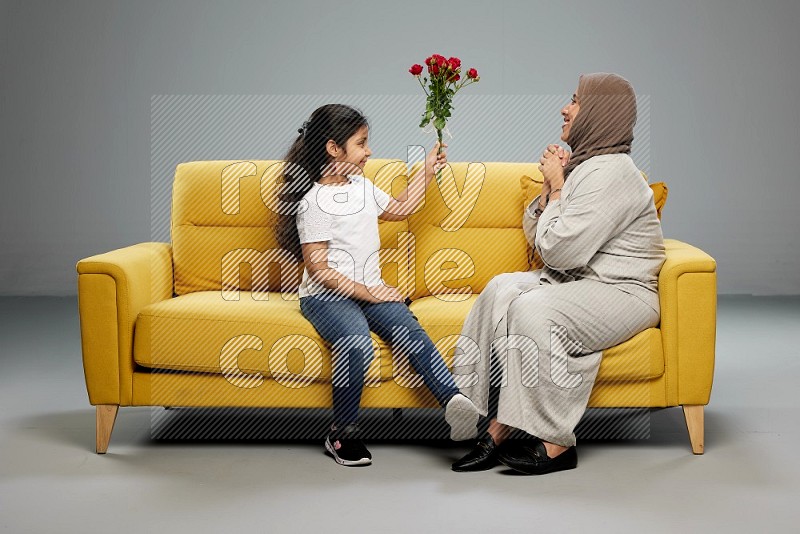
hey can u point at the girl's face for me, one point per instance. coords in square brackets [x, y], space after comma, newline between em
[356, 150]
[569, 112]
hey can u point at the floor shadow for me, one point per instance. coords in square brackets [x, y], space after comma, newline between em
[420, 427]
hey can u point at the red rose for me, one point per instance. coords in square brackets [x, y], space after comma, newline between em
[472, 73]
[454, 78]
[440, 59]
[429, 61]
[434, 69]
[415, 69]
[454, 62]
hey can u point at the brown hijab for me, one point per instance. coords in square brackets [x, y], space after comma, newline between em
[604, 123]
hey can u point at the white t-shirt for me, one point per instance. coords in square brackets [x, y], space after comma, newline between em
[346, 216]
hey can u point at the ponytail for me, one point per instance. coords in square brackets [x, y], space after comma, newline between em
[305, 160]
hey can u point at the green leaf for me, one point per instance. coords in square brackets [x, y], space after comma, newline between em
[426, 119]
[439, 123]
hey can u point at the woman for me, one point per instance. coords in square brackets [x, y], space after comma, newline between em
[533, 341]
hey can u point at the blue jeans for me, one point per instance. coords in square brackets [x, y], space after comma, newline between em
[346, 324]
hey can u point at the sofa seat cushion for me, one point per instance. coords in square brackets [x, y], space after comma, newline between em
[203, 332]
[639, 358]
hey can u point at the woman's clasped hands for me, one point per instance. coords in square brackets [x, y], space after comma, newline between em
[551, 164]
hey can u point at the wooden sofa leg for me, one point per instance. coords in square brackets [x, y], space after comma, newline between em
[106, 415]
[696, 425]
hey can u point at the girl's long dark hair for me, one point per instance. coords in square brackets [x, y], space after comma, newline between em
[304, 163]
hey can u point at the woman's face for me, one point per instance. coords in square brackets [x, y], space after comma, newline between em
[569, 112]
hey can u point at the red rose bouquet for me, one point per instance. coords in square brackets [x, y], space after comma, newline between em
[445, 81]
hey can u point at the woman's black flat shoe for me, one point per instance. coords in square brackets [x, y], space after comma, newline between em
[481, 458]
[530, 457]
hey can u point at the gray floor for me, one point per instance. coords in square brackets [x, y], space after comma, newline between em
[50, 480]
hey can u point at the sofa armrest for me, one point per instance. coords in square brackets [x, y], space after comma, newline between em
[687, 288]
[112, 288]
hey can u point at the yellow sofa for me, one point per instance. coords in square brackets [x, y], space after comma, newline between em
[212, 318]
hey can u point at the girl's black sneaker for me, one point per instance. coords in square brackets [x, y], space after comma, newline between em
[346, 446]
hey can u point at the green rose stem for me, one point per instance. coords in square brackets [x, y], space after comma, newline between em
[441, 149]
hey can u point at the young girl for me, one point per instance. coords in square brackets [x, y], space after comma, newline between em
[333, 227]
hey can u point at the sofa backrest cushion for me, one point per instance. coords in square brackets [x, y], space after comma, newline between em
[470, 229]
[467, 231]
[222, 225]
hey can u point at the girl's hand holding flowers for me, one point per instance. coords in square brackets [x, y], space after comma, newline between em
[436, 159]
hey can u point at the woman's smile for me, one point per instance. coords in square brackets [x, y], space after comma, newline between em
[569, 112]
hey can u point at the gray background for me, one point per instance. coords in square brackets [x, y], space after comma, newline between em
[232, 127]
[77, 79]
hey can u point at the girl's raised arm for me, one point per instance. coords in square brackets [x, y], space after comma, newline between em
[397, 210]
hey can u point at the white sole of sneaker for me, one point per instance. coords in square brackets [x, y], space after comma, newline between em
[462, 416]
[341, 461]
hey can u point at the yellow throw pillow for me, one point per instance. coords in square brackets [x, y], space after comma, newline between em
[532, 186]
[660, 192]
